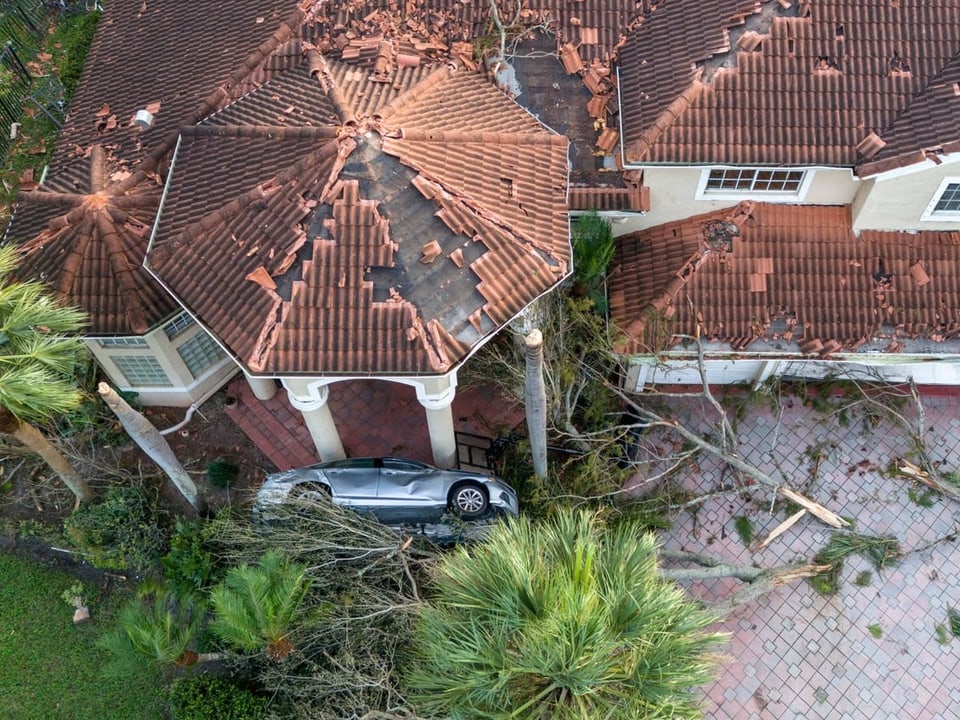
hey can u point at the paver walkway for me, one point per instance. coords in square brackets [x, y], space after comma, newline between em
[796, 653]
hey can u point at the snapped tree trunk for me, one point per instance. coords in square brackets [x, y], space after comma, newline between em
[535, 402]
[153, 444]
[32, 438]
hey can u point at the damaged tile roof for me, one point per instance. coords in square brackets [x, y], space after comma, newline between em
[85, 229]
[89, 233]
[819, 82]
[187, 63]
[361, 236]
[784, 277]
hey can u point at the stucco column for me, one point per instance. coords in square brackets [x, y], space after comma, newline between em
[436, 396]
[263, 388]
[319, 421]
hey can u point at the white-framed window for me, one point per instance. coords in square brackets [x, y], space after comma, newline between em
[181, 322]
[199, 353]
[141, 370]
[122, 342]
[770, 184]
[945, 204]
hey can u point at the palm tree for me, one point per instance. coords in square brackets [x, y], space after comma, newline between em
[37, 357]
[593, 247]
[155, 629]
[256, 605]
[565, 619]
[155, 445]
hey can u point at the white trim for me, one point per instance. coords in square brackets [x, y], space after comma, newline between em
[766, 196]
[915, 168]
[930, 215]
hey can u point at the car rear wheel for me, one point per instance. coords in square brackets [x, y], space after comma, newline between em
[310, 491]
[468, 500]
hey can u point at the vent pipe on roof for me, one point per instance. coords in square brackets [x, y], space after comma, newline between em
[143, 119]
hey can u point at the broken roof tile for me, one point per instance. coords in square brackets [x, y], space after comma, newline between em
[897, 83]
[797, 273]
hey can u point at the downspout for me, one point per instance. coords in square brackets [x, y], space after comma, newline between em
[186, 419]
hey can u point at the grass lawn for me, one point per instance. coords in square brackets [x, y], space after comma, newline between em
[49, 668]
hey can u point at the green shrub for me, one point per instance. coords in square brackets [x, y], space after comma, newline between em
[189, 566]
[123, 531]
[222, 473]
[593, 248]
[205, 697]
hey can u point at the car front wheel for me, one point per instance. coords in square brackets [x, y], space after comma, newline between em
[310, 491]
[468, 500]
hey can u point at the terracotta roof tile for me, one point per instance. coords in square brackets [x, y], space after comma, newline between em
[783, 275]
[94, 254]
[265, 83]
[198, 46]
[341, 230]
[811, 81]
[633, 198]
[87, 242]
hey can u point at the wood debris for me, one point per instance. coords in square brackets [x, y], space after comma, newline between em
[827, 516]
[781, 528]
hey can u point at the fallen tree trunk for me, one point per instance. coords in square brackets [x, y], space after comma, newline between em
[153, 444]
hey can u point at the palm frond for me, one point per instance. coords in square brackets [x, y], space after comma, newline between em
[255, 605]
[35, 393]
[37, 352]
[153, 630]
[562, 619]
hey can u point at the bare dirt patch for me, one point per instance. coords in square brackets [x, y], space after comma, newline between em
[31, 494]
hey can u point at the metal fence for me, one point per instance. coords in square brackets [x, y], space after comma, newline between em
[23, 27]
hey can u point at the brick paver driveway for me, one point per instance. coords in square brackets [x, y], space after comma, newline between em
[872, 651]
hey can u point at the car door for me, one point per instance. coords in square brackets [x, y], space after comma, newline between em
[409, 492]
[353, 481]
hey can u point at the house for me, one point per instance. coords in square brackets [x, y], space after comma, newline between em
[302, 193]
[803, 167]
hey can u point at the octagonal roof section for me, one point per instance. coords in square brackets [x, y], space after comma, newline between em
[317, 229]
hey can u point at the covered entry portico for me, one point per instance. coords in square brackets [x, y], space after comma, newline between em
[310, 396]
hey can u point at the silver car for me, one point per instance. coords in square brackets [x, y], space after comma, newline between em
[394, 490]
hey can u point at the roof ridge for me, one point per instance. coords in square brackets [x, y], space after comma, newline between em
[919, 154]
[269, 131]
[261, 190]
[284, 32]
[319, 69]
[668, 115]
[543, 137]
[441, 73]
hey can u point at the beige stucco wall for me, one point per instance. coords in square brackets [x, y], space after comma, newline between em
[184, 389]
[899, 202]
[673, 195]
